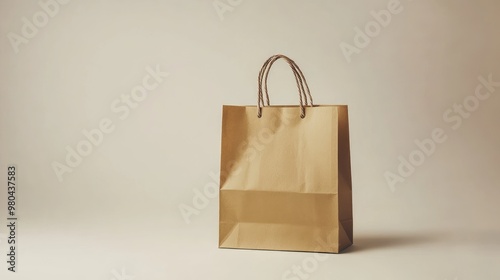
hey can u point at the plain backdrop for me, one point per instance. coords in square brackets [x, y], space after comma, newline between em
[117, 215]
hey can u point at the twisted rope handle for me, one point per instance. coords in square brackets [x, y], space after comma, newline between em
[304, 92]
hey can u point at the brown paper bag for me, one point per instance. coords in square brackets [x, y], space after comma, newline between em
[285, 179]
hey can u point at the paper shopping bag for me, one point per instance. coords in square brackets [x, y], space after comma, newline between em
[285, 180]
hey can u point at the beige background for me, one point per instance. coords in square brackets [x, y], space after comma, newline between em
[118, 211]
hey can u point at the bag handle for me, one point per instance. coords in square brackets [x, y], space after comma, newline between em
[304, 92]
[263, 76]
[299, 77]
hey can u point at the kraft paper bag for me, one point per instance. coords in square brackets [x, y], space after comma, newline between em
[285, 180]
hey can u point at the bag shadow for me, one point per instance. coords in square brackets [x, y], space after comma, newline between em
[366, 242]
